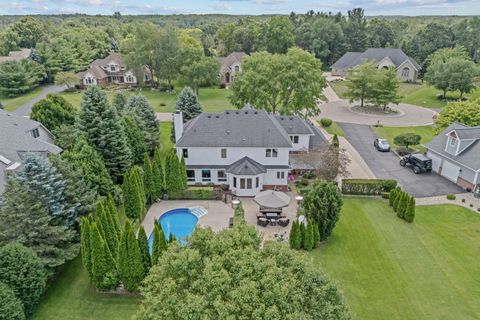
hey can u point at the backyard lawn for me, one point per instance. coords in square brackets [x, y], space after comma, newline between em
[71, 297]
[11, 104]
[390, 269]
[212, 99]
[416, 94]
[426, 132]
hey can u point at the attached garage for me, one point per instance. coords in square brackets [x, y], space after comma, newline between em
[436, 161]
[450, 171]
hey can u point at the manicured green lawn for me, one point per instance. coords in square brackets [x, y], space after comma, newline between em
[11, 104]
[212, 99]
[334, 129]
[71, 297]
[390, 269]
[165, 142]
[416, 94]
[426, 132]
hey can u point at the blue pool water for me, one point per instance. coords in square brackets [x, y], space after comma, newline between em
[180, 222]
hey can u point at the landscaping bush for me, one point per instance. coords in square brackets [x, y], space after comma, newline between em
[451, 197]
[367, 186]
[386, 195]
[193, 194]
[308, 175]
[239, 215]
[325, 122]
[303, 182]
[403, 204]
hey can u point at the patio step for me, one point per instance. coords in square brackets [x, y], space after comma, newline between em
[198, 211]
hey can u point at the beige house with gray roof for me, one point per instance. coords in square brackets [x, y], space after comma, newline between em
[407, 68]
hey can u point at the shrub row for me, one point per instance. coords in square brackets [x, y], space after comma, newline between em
[403, 204]
[239, 215]
[194, 194]
[367, 186]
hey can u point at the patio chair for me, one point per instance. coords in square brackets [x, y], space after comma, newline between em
[283, 222]
[263, 222]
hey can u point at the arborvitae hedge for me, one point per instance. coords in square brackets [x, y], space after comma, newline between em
[144, 252]
[159, 242]
[85, 245]
[403, 204]
[148, 179]
[129, 261]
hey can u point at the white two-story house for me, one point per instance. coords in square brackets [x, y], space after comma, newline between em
[248, 149]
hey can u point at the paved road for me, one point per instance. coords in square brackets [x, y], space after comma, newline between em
[25, 109]
[385, 165]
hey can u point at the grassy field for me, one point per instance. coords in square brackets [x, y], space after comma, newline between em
[416, 94]
[212, 99]
[426, 132]
[71, 297]
[11, 104]
[390, 269]
[165, 142]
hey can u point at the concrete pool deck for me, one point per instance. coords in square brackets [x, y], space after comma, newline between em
[217, 218]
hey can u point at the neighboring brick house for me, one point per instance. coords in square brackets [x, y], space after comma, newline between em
[230, 66]
[111, 70]
[455, 154]
[407, 68]
[249, 150]
[20, 55]
[19, 136]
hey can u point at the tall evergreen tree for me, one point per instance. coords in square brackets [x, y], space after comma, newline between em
[102, 126]
[316, 235]
[396, 200]
[173, 182]
[138, 179]
[402, 202]
[188, 104]
[295, 236]
[120, 101]
[48, 186]
[148, 179]
[113, 215]
[393, 194]
[139, 107]
[77, 190]
[129, 262]
[410, 214]
[84, 156]
[133, 200]
[135, 138]
[144, 252]
[25, 219]
[105, 222]
[85, 245]
[308, 240]
[158, 173]
[159, 242]
[104, 274]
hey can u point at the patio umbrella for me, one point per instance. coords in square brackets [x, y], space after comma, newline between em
[272, 199]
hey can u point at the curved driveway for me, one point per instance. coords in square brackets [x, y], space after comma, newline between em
[410, 115]
[25, 109]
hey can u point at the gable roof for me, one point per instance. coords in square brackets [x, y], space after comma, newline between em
[469, 157]
[233, 57]
[96, 66]
[294, 125]
[16, 140]
[353, 59]
[234, 128]
[246, 167]
[22, 54]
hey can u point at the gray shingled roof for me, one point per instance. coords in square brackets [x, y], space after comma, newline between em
[470, 157]
[16, 140]
[294, 125]
[353, 59]
[22, 54]
[234, 128]
[233, 57]
[246, 167]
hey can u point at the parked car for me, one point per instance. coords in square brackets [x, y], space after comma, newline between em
[381, 145]
[418, 162]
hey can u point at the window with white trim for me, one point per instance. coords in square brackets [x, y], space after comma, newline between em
[294, 139]
[206, 175]
[185, 153]
[191, 175]
[222, 176]
[223, 153]
[280, 174]
[271, 153]
[405, 72]
[453, 141]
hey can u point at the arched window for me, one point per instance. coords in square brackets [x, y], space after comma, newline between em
[130, 78]
[405, 72]
[237, 68]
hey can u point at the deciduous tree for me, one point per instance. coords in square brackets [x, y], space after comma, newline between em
[465, 112]
[53, 111]
[360, 81]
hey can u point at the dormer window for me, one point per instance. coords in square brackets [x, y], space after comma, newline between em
[453, 141]
[113, 67]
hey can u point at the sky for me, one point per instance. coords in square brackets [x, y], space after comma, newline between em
[253, 7]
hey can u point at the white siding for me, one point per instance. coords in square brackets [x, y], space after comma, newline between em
[303, 142]
[212, 156]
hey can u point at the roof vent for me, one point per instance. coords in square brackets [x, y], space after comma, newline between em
[228, 131]
[236, 112]
[243, 139]
[291, 118]
[217, 116]
[209, 116]
[227, 112]
[246, 112]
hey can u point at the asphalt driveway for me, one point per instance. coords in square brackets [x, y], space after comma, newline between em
[385, 165]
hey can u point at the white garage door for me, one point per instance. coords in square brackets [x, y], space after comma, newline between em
[436, 160]
[450, 171]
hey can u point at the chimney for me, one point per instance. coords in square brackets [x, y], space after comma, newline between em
[178, 124]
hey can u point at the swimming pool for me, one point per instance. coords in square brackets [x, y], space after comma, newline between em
[180, 222]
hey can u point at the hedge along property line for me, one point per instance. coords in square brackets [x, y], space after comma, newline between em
[195, 194]
[369, 187]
